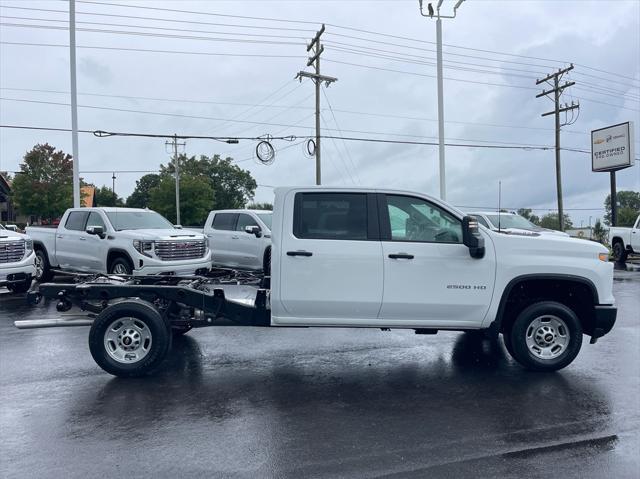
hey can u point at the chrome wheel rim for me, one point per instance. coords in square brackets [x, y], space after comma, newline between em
[127, 340]
[547, 337]
[39, 266]
[120, 269]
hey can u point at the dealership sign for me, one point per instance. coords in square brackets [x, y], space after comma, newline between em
[612, 147]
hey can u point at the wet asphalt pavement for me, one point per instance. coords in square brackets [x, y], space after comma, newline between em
[242, 402]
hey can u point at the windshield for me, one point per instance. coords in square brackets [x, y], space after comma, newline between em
[137, 220]
[512, 221]
[266, 218]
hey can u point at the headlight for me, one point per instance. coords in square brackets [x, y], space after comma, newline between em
[143, 247]
[28, 247]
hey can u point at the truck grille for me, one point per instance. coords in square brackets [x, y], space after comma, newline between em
[177, 250]
[11, 251]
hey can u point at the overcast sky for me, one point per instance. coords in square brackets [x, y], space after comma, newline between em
[493, 104]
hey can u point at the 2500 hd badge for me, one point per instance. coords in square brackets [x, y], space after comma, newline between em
[466, 286]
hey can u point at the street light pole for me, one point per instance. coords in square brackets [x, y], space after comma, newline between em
[74, 103]
[441, 155]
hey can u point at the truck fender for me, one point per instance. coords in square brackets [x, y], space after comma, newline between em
[118, 252]
[496, 324]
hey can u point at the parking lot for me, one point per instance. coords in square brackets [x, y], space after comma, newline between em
[242, 402]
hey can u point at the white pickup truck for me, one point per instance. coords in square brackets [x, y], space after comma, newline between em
[17, 264]
[366, 258]
[118, 241]
[625, 241]
[240, 238]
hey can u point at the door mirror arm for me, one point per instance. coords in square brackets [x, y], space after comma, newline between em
[96, 230]
[253, 230]
[472, 238]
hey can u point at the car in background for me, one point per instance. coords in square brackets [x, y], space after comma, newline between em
[240, 239]
[17, 261]
[625, 241]
[511, 223]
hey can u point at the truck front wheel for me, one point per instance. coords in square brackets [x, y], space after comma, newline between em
[129, 339]
[545, 336]
[121, 266]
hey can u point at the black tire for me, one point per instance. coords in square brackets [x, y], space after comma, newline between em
[120, 265]
[180, 331]
[137, 311]
[266, 262]
[45, 274]
[619, 252]
[20, 288]
[522, 329]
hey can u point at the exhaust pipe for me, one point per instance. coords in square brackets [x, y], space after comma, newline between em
[51, 323]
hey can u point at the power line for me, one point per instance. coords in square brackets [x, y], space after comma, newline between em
[146, 50]
[375, 33]
[149, 34]
[172, 20]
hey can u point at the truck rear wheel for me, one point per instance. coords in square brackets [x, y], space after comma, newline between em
[619, 253]
[129, 339]
[43, 268]
[546, 336]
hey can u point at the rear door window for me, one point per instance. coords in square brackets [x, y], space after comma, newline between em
[76, 220]
[331, 216]
[224, 221]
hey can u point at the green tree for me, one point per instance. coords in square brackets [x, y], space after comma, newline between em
[140, 196]
[628, 208]
[552, 221]
[44, 185]
[598, 233]
[260, 206]
[196, 198]
[233, 186]
[527, 213]
[105, 197]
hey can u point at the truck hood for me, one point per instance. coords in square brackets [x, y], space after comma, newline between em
[540, 231]
[560, 244]
[161, 234]
[7, 235]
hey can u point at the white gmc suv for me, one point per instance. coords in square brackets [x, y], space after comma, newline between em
[118, 241]
[16, 261]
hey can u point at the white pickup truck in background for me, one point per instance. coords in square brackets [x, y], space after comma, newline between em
[240, 238]
[118, 241]
[625, 241]
[17, 261]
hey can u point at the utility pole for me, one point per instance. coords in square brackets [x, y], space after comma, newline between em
[443, 183]
[317, 79]
[557, 90]
[113, 187]
[176, 166]
[74, 103]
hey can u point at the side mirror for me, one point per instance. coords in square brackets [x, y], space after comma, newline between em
[253, 230]
[471, 237]
[95, 230]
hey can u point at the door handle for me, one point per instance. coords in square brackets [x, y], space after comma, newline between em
[299, 253]
[235, 237]
[82, 239]
[60, 236]
[400, 256]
